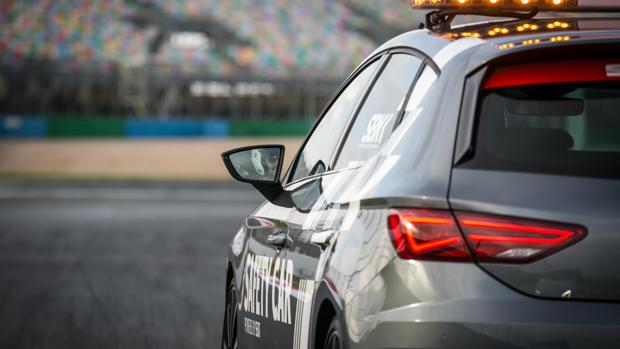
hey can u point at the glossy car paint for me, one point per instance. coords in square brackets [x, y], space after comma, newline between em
[385, 302]
[584, 271]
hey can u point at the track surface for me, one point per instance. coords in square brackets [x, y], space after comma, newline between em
[115, 267]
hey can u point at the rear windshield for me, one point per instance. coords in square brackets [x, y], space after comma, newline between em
[567, 129]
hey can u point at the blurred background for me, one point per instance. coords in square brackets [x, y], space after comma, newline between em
[115, 208]
[214, 71]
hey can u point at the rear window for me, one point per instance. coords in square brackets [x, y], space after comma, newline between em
[567, 129]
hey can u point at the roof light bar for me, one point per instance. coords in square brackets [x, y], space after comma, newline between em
[497, 4]
[514, 28]
[444, 11]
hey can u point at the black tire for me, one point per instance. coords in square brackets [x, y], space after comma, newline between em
[229, 336]
[334, 338]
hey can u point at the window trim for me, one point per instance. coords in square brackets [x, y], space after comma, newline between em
[465, 134]
[426, 61]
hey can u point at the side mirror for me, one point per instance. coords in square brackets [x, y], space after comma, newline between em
[259, 165]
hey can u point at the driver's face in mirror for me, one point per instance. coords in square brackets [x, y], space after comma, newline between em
[257, 164]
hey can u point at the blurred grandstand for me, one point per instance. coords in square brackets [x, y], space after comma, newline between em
[232, 59]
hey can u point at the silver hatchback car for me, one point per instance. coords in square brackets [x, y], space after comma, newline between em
[461, 190]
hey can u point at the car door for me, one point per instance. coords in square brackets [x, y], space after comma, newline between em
[310, 233]
[264, 272]
[268, 299]
[315, 222]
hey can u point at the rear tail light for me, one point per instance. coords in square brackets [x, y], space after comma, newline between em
[435, 234]
[504, 239]
[426, 234]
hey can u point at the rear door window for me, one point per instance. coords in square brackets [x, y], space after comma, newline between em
[569, 128]
[376, 119]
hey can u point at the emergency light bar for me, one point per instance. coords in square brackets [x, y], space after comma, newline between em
[541, 5]
[556, 25]
[444, 11]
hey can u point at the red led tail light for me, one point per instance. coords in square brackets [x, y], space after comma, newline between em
[507, 239]
[436, 235]
[426, 234]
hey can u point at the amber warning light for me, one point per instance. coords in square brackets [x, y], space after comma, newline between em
[544, 5]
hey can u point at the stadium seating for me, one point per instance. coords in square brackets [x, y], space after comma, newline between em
[395, 12]
[287, 38]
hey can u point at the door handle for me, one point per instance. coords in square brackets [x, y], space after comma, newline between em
[277, 239]
[322, 238]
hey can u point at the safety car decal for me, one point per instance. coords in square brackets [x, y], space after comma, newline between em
[401, 132]
[375, 129]
[381, 172]
[267, 287]
[350, 216]
[312, 219]
[303, 310]
[353, 185]
[251, 327]
[331, 217]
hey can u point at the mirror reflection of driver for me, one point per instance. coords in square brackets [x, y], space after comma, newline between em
[265, 163]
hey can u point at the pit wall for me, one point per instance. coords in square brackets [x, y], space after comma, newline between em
[68, 126]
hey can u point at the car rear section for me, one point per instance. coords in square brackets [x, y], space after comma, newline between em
[536, 191]
[525, 253]
[543, 161]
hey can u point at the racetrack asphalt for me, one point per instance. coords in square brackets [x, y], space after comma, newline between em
[116, 266]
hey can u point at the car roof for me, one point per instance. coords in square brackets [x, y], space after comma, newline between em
[499, 37]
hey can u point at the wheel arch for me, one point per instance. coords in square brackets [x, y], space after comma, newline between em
[230, 273]
[326, 307]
